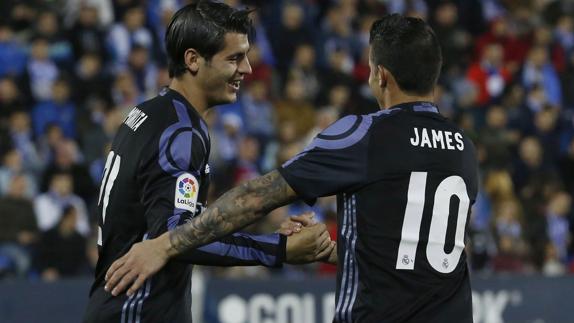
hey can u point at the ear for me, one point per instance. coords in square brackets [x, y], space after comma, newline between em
[191, 59]
[383, 76]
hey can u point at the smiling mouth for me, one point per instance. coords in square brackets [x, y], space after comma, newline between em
[235, 84]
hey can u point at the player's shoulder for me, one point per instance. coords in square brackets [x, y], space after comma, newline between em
[167, 110]
[345, 132]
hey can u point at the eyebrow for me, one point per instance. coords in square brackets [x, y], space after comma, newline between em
[239, 53]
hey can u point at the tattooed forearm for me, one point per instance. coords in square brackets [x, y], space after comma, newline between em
[232, 211]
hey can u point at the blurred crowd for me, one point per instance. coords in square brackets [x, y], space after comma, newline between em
[70, 70]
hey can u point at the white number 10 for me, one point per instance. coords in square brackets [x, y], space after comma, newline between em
[440, 260]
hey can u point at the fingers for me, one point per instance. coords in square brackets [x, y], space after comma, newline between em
[137, 284]
[306, 219]
[123, 284]
[289, 227]
[319, 229]
[325, 241]
[333, 259]
[115, 266]
[115, 278]
[327, 251]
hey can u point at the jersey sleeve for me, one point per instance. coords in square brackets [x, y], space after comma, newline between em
[334, 162]
[171, 184]
[171, 175]
[240, 249]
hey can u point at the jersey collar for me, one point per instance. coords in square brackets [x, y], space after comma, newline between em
[174, 95]
[416, 106]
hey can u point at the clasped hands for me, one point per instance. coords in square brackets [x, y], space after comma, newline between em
[307, 241]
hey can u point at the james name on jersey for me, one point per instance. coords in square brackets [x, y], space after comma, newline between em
[437, 139]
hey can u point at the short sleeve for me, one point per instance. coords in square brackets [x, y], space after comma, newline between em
[172, 179]
[334, 162]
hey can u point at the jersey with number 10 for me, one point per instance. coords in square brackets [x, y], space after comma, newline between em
[405, 180]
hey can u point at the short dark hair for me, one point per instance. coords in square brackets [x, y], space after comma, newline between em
[409, 49]
[202, 25]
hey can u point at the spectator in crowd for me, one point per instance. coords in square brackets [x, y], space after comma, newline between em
[48, 27]
[497, 139]
[50, 205]
[90, 79]
[67, 158]
[539, 71]
[10, 98]
[489, 74]
[12, 53]
[567, 82]
[291, 33]
[21, 134]
[86, 34]
[257, 111]
[42, 71]
[18, 229]
[58, 109]
[508, 231]
[12, 166]
[295, 108]
[455, 42]
[558, 224]
[303, 68]
[566, 165]
[131, 31]
[52, 135]
[62, 250]
[143, 70]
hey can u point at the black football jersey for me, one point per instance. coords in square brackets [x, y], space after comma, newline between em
[156, 177]
[405, 180]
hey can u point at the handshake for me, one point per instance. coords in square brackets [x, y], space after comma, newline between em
[307, 241]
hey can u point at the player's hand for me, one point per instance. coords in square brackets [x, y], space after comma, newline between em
[311, 244]
[332, 258]
[142, 261]
[295, 223]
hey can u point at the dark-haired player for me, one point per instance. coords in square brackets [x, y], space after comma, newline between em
[156, 175]
[405, 177]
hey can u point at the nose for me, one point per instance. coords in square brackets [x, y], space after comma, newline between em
[245, 66]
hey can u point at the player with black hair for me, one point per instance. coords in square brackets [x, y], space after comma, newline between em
[405, 179]
[156, 175]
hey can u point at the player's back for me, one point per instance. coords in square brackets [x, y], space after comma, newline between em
[403, 231]
[134, 204]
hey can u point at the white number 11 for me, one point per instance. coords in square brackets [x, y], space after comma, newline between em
[440, 260]
[112, 168]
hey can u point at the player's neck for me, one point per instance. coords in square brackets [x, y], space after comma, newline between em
[190, 92]
[396, 98]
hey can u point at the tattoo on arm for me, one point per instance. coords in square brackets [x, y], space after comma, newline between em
[232, 211]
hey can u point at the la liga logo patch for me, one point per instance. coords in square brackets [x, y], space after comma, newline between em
[187, 187]
[186, 191]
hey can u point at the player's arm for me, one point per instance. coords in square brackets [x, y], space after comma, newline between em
[239, 249]
[294, 242]
[334, 162]
[237, 208]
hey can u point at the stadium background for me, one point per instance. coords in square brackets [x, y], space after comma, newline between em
[71, 69]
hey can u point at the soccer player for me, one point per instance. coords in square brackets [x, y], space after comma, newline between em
[405, 178]
[156, 175]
